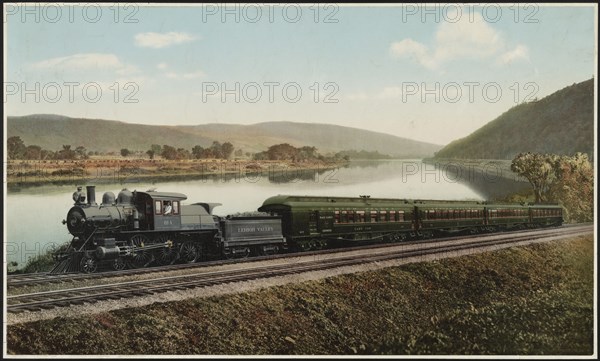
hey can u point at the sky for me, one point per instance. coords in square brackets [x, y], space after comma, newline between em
[433, 73]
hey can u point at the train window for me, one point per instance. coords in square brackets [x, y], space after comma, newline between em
[400, 217]
[336, 217]
[373, 216]
[383, 216]
[393, 216]
[360, 216]
[344, 217]
[175, 207]
[157, 207]
[350, 216]
[428, 214]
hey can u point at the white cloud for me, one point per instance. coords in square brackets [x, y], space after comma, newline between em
[162, 66]
[415, 50]
[85, 62]
[161, 40]
[467, 38]
[81, 61]
[520, 52]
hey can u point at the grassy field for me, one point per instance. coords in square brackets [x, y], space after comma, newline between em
[533, 300]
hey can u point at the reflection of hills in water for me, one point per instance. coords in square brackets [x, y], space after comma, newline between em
[486, 183]
[490, 180]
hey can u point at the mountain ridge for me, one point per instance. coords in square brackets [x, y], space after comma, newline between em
[51, 131]
[560, 123]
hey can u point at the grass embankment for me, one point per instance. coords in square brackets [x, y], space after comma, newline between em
[536, 299]
[116, 170]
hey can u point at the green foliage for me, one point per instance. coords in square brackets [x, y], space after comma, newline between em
[288, 152]
[566, 180]
[538, 169]
[125, 152]
[15, 147]
[561, 123]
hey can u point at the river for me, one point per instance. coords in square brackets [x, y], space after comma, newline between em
[33, 215]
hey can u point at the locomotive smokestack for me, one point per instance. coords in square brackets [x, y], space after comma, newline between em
[91, 195]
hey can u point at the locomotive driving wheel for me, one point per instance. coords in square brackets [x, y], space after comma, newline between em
[88, 264]
[188, 252]
[141, 258]
[168, 254]
[119, 264]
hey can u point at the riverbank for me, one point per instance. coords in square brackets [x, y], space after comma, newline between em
[105, 170]
[531, 300]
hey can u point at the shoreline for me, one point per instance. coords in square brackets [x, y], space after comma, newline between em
[38, 173]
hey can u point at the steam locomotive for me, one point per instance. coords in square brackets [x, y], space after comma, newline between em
[137, 229]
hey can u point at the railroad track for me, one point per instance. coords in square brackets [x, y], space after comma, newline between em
[91, 294]
[32, 279]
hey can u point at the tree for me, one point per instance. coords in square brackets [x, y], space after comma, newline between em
[81, 152]
[169, 152]
[563, 179]
[538, 169]
[125, 152]
[150, 153]
[226, 150]
[216, 149]
[197, 151]
[574, 187]
[66, 152]
[33, 152]
[282, 152]
[157, 149]
[15, 147]
[239, 153]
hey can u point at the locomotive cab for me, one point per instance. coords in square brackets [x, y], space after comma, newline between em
[159, 211]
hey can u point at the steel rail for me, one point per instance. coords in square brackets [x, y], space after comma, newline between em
[66, 297]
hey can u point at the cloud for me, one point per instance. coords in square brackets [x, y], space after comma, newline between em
[81, 61]
[161, 40]
[86, 62]
[467, 38]
[520, 52]
[415, 50]
[162, 66]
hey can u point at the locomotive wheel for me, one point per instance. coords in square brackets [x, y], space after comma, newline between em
[166, 255]
[119, 264]
[88, 264]
[188, 253]
[141, 258]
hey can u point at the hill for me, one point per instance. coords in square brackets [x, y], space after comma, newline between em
[561, 123]
[52, 131]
